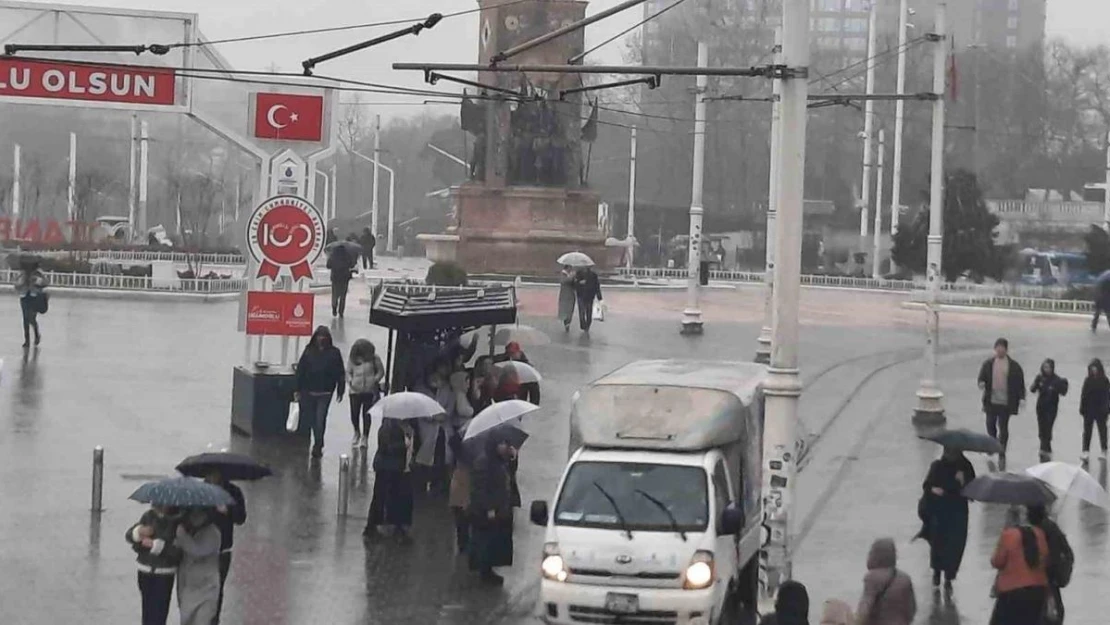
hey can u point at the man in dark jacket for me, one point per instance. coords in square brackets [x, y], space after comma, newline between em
[1101, 299]
[1003, 385]
[368, 242]
[152, 538]
[226, 518]
[791, 606]
[341, 265]
[587, 287]
[320, 372]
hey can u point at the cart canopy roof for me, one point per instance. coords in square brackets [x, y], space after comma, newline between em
[422, 308]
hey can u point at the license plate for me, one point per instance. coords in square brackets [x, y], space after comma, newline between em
[618, 603]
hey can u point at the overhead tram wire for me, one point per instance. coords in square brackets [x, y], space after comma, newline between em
[578, 57]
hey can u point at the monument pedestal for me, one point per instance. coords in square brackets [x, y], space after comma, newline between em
[521, 230]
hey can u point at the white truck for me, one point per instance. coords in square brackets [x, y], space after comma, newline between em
[657, 517]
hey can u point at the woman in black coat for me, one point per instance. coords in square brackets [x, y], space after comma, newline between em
[1094, 405]
[1049, 387]
[945, 514]
[491, 510]
[320, 372]
[391, 503]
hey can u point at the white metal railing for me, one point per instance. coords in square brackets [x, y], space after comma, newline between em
[1010, 302]
[148, 256]
[132, 283]
[1018, 290]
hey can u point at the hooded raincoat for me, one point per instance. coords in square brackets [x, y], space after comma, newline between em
[791, 606]
[888, 597]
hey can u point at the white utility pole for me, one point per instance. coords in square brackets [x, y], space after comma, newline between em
[377, 160]
[783, 385]
[631, 200]
[899, 126]
[133, 173]
[334, 191]
[392, 215]
[868, 123]
[763, 349]
[691, 316]
[16, 157]
[877, 242]
[71, 201]
[1105, 192]
[144, 175]
[930, 399]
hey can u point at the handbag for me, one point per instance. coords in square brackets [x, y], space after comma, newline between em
[599, 311]
[293, 422]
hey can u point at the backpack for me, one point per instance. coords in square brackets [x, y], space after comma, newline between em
[1061, 558]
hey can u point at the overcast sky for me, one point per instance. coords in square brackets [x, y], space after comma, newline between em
[454, 40]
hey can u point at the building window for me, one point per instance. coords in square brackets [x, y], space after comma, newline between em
[855, 25]
[1011, 41]
[826, 5]
[1012, 22]
[856, 43]
[826, 24]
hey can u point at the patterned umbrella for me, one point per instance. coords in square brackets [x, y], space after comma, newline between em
[183, 492]
[231, 466]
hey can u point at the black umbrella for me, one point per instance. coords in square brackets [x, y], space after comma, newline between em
[964, 440]
[1012, 488]
[230, 466]
[183, 492]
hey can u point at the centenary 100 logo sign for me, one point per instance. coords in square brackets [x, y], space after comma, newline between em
[285, 233]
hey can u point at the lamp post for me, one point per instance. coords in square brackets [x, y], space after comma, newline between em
[763, 349]
[930, 399]
[392, 188]
[691, 316]
[899, 126]
[868, 123]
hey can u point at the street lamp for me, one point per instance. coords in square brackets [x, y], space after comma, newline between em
[392, 188]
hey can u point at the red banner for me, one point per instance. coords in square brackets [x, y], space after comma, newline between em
[289, 116]
[98, 83]
[279, 313]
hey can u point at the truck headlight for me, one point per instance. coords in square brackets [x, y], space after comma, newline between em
[553, 565]
[700, 573]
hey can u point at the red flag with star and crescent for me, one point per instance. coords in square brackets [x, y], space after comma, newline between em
[289, 116]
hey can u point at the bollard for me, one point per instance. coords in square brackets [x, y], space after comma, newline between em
[344, 484]
[97, 479]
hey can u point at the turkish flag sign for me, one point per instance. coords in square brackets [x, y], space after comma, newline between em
[289, 117]
[279, 313]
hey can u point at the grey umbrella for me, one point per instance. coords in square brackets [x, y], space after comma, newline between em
[353, 248]
[183, 492]
[1011, 488]
[964, 440]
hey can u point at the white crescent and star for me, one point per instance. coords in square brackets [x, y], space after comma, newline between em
[271, 116]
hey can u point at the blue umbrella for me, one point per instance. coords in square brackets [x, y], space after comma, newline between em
[183, 492]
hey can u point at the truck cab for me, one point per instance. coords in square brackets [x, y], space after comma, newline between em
[656, 517]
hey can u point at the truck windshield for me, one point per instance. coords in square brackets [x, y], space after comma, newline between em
[682, 490]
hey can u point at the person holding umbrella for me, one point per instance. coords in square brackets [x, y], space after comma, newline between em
[1021, 558]
[198, 579]
[1101, 299]
[31, 289]
[587, 287]
[392, 500]
[320, 372]
[567, 296]
[153, 539]
[943, 511]
[491, 510]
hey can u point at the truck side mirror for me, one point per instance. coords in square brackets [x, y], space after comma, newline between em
[538, 513]
[732, 521]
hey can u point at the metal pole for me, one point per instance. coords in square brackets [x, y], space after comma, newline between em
[930, 399]
[1105, 193]
[71, 202]
[98, 480]
[631, 200]
[877, 242]
[559, 32]
[334, 186]
[691, 317]
[133, 173]
[144, 172]
[899, 127]
[377, 159]
[868, 124]
[763, 349]
[16, 158]
[344, 484]
[392, 217]
[783, 385]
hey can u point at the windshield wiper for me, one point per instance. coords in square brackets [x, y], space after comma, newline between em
[662, 506]
[616, 508]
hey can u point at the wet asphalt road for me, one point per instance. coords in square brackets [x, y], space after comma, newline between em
[151, 382]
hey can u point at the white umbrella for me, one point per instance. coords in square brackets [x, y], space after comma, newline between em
[1070, 480]
[496, 414]
[406, 405]
[576, 259]
[525, 335]
[525, 373]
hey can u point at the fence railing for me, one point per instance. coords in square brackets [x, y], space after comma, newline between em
[146, 256]
[1034, 304]
[133, 283]
[849, 282]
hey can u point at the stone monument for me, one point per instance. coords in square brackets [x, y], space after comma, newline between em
[526, 201]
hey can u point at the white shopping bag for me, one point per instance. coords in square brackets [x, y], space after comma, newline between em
[599, 311]
[294, 420]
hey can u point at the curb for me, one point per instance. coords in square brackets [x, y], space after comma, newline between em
[1042, 314]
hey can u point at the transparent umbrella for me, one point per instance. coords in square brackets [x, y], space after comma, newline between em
[406, 405]
[1071, 481]
[497, 414]
[576, 259]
